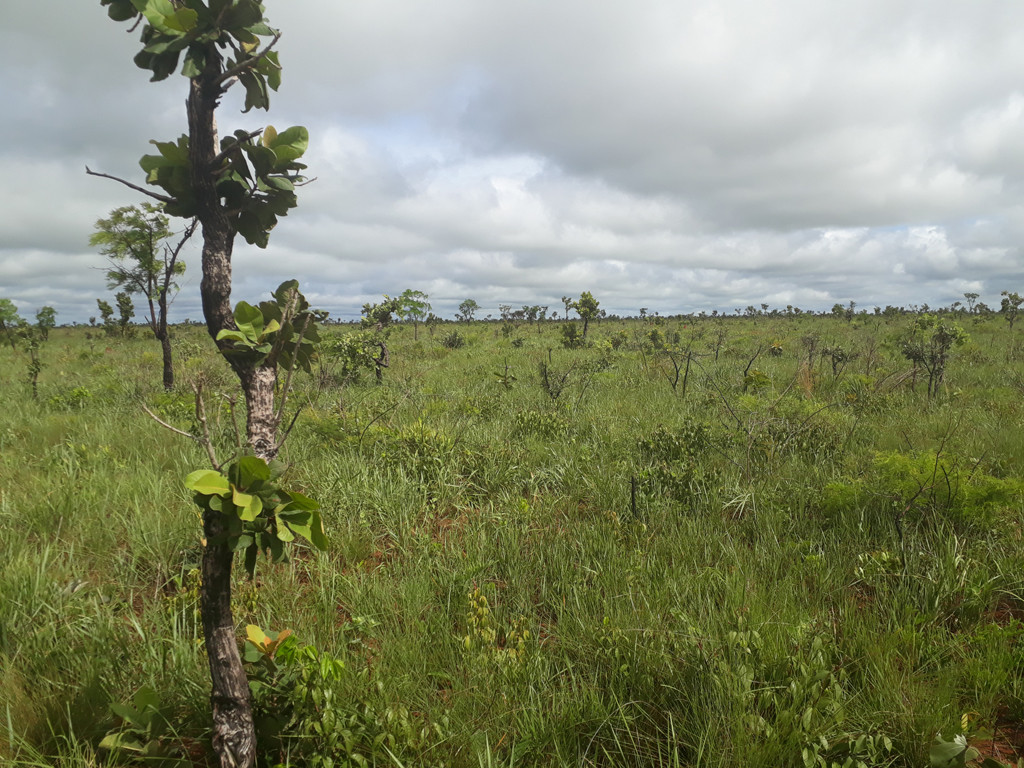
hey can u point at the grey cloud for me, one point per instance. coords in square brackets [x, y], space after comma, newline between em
[672, 155]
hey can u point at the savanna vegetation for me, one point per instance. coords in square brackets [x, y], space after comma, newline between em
[775, 539]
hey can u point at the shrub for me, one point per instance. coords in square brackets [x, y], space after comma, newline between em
[673, 459]
[571, 336]
[453, 340]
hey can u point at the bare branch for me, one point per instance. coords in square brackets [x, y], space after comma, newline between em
[289, 430]
[165, 425]
[143, 190]
[248, 63]
[201, 418]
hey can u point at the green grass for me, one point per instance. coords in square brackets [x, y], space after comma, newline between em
[777, 589]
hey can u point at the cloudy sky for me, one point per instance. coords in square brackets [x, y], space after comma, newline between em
[672, 154]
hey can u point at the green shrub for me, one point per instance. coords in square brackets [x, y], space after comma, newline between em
[672, 460]
[453, 340]
[546, 424]
[313, 709]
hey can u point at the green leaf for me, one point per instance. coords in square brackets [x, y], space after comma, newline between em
[252, 469]
[242, 542]
[120, 10]
[255, 90]
[300, 501]
[129, 715]
[249, 320]
[236, 336]
[208, 482]
[317, 536]
[251, 554]
[291, 144]
[184, 19]
[194, 63]
[116, 741]
[949, 754]
[249, 506]
[249, 227]
[283, 533]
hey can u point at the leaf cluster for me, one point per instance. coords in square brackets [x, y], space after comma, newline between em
[279, 332]
[195, 29]
[258, 514]
[256, 178]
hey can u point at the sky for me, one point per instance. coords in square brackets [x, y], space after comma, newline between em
[677, 155]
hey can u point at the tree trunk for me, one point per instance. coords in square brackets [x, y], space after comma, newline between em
[165, 345]
[258, 384]
[234, 735]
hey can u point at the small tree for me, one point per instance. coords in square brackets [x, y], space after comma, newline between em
[568, 302]
[46, 320]
[467, 309]
[377, 321]
[109, 324]
[413, 305]
[1010, 306]
[31, 337]
[971, 299]
[928, 344]
[125, 313]
[135, 240]
[586, 308]
[238, 185]
[9, 320]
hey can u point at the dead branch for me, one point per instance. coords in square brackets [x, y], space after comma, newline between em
[143, 190]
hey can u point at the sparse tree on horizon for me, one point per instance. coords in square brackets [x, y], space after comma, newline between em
[467, 309]
[134, 239]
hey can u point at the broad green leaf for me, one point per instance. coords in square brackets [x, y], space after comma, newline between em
[249, 506]
[276, 547]
[208, 482]
[283, 533]
[184, 19]
[251, 469]
[242, 542]
[949, 754]
[251, 555]
[291, 144]
[249, 320]
[233, 336]
[279, 183]
[194, 63]
[115, 741]
[129, 714]
[146, 697]
[255, 90]
[249, 227]
[120, 10]
[316, 529]
[256, 636]
[300, 501]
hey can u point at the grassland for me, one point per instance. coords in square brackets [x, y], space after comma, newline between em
[782, 562]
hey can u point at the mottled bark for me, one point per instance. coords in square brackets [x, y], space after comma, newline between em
[261, 422]
[165, 345]
[234, 735]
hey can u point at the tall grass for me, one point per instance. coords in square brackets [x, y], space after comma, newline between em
[728, 578]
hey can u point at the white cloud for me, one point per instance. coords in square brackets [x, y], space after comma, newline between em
[662, 154]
